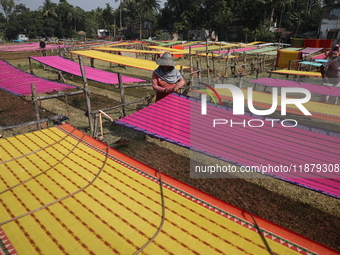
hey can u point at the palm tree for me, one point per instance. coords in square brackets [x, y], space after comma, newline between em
[74, 16]
[146, 8]
[7, 6]
[120, 10]
[49, 9]
[273, 4]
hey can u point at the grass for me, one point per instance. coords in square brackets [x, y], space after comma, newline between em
[306, 212]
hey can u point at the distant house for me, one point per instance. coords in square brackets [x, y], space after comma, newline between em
[23, 37]
[103, 34]
[330, 23]
[201, 35]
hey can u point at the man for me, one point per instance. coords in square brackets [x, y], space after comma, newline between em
[330, 71]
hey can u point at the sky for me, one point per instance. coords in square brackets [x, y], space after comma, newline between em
[86, 5]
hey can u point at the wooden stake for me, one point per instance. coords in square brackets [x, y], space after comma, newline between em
[207, 59]
[86, 91]
[122, 93]
[36, 106]
[191, 66]
[101, 125]
[30, 62]
[95, 128]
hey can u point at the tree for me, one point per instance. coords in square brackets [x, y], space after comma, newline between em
[180, 15]
[65, 20]
[273, 5]
[22, 20]
[75, 16]
[49, 9]
[120, 10]
[7, 7]
[146, 8]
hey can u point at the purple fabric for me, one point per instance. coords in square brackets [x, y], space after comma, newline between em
[19, 82]
[94, 74]
[236, 50]
[309, 50]
[313, 88]
[177, 119]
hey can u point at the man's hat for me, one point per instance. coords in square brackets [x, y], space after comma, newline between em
[166, 60]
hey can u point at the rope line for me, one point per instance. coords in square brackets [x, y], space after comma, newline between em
[33, 177]
[259, 231]
[43, 148]
[162, 219]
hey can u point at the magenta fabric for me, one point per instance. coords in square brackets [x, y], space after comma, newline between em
[24, 45]
[31, 47]
[19, 82]
[313, 88]
[236, 50]
[320, 56]
[94, 74]
[177, 119]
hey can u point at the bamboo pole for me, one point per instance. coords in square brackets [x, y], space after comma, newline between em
[117, 106]
[36, 106]
[207, 58]
[95, 128]
[60, 95]
[199, 71]
[55, 117]
[60, 76]
[30, 63]
[122, 93]
[101, 125]
[86, 91]
[191, 65]
[213, 63]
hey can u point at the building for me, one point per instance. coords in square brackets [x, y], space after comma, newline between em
[103, 34]
[23, 37]
[330, 25]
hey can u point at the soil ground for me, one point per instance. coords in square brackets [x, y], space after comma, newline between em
[303, 211]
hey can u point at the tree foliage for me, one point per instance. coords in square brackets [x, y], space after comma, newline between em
[229, 19]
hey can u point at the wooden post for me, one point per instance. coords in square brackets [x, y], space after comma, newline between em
[36, 105]
[101, 126]
[86, 91]
[207, 58]
[199, 71]
[95, 128]
[122, 93]
[213, 63]
[226, 66]
[92, 62]
[30, 62]
[60, 76]
[191, 66]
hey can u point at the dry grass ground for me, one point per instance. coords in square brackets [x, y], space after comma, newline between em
[306, 212]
